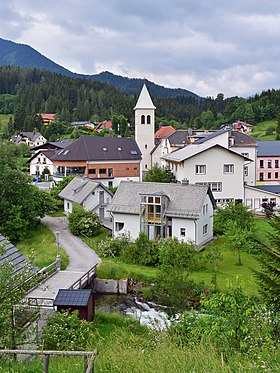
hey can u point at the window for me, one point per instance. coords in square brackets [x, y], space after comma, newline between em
[92, 171]
[269, 163]
[216, 187]
[148, 119]
[142, 119]
[245, 171]
[249, 203]
[105, 149]
[276, 175]
[205, 228]
[183, 232]
[93, 193]
[146, 166]
[127, 168]
[110, 172]
[245, 154]
[68, 206]
[269, 175]
[146, 146]
[110, 184]
[102, 170]
[228, 168]
[118, 226]
[200, 169]
[261, 163]
[205, 209]
[276, 163]
[44, 160]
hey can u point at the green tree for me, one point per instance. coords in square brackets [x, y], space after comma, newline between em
[269, 276]
[82, 222]
[278, 126]
[159, 175]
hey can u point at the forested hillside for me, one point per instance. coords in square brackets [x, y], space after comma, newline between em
[26, 91]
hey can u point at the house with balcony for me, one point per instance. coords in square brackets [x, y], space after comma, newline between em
[90, 194]
[163, 210]
[105, 159]
[268, 162]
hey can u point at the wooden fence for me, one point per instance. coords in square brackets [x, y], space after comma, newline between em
[89, 357]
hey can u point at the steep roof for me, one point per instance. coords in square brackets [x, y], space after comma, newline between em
[240, 139]
[48, 116]
[53, 145]
[184, 200]
[164, 131]
[144, 100]
[98, 148]
[30, 135]
[79, 189]
[211, 136]
[47, 153]
[268, 148]
[15, 258]
[268, 188]
[191, 150]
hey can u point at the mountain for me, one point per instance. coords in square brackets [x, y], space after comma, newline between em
[22, 55]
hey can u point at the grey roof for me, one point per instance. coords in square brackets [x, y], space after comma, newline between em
[193, 149]
[144, 100]
[240, 139]
[31, 135]
[269, 188]
[47, 153]
[268, 148]
[79, 189]
[98, 148]
[179, 138]
[81, 123]
[53, 145]
[72, 297]
[211, 136]
[15, 258]
[184, 200]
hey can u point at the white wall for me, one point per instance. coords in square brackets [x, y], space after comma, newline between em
[35, 164]
[215, 159]
[255, 197]
[252, 151]
[144, 135]
[131, 224]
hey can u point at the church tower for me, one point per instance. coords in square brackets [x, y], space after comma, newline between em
[145, 126]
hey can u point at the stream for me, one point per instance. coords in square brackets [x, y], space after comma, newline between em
[148, 314]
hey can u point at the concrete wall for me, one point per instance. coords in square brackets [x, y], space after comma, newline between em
[131, 224]
[110, 286]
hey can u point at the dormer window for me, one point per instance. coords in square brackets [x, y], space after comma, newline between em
[105, 149]
[119, 149]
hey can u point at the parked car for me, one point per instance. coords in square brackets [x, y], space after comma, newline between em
[37, 180]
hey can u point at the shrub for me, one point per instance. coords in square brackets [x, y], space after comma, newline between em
[82, 222]
[114, 246]
[64, 331]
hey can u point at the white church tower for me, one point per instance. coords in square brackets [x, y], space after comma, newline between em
[145, 126]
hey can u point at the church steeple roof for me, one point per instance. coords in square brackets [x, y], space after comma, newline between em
[144, 100]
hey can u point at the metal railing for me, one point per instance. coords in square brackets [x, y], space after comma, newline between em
[88, 365]
[85, 279]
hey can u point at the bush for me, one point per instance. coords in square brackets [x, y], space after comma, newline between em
[82, 222]
[64, 331]
[114, 246]
[142, 251]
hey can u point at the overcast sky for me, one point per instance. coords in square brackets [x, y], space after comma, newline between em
[206, 46]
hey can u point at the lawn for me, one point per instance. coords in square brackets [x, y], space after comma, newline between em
[116, 268]
[259, 130]
[40, 247]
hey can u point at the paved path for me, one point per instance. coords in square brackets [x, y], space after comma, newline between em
[81, 256]
[81, 259]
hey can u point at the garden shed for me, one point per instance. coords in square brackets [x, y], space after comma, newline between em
[81, 300]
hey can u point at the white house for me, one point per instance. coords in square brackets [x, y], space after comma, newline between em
[213, 165]
[92, 195]
[240, 143]
[29, 138]
[42, 161]
[255, 196]
[163, 210]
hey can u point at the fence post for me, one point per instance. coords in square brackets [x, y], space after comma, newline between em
[46, 363]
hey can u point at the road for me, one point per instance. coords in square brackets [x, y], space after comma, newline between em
[81, 257]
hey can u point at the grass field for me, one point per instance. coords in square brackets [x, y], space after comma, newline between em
[40, 247]
[259, 130]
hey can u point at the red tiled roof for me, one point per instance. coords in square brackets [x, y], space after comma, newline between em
[106, 124]
[48, 116]
[164, 131]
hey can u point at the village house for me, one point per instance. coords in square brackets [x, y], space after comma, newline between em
[90, 194]
[47, 118]
[106, 159]
[268, 162]
[29, 138]
[213, 165]
[163, 210]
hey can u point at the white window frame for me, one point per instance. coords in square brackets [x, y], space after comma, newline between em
[229, 168]
[205, 209]
[246, 171]
[218, 184]
[204, 229]
[200, 169]
[183, 232]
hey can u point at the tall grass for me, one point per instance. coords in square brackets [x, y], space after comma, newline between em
[40, 247]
